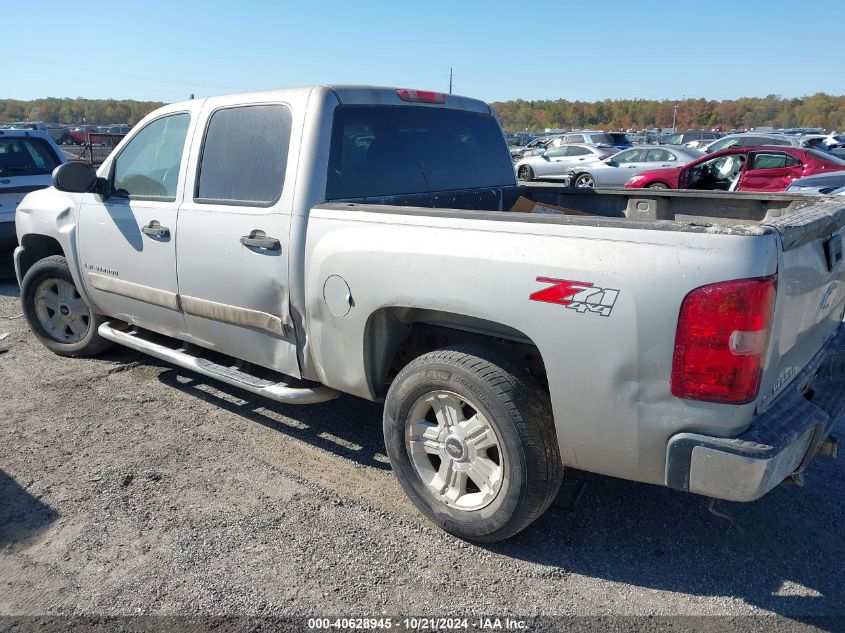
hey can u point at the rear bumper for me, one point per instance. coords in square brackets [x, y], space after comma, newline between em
[781, 441]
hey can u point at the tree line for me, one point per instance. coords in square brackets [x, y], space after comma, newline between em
[819, 110]
[76, 111]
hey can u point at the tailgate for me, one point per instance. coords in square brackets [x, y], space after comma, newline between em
[811, 290]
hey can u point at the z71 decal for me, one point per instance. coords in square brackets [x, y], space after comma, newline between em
[581, 296]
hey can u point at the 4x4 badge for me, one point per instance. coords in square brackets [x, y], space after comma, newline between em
[581, 296]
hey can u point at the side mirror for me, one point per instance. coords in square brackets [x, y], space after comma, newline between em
[611, 162]
[74, 177]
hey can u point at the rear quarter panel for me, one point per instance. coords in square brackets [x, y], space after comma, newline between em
[608, 375]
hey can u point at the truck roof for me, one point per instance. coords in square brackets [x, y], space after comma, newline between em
[369, 95]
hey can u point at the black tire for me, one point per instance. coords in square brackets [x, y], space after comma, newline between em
[55, 267]
[657, 185]
[521, 416]
[585, 181]
[525, 173]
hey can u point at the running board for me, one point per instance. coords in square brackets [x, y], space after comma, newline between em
[270, 384]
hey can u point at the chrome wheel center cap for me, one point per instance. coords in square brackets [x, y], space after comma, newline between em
[64, 310]
[455, 448]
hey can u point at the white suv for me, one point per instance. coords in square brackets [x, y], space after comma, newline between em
[27, 161]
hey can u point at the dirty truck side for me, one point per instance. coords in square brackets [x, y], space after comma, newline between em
[303, 243]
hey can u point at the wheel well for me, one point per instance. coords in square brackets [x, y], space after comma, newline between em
[396, 336]
[35, 248]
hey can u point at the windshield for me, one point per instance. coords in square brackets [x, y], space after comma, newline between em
[393, 150]
[26, 157]
[673, 139]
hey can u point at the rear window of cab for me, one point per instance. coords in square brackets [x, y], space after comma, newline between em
[391, 150]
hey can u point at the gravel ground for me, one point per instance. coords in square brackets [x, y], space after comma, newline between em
[128, 486]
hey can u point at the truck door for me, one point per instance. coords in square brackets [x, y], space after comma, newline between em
[769, 171]
[233, 242]
[127, 237]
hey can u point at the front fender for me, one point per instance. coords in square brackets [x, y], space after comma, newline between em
[52, 214]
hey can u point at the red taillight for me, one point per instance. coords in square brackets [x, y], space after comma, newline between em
[422, 96]
[723, 333]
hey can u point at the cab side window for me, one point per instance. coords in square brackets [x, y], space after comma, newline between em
[629, 156]
[244, 156]
[148, 167]
[577, 151]
[660, 155]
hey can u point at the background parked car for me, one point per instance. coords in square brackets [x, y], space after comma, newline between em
[518, 139]
[27, 125]
[79, 135]
[27, 160]
[740, 169]
[532, 148]
[750, 139]
[597, 137]
[616, 170]
[691, 138]
[819, 184]
[60, 133]
[554, 162]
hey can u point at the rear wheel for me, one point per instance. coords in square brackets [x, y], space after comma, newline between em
[525, 173]
[657, 185]
[56, 312]
[472, 442]
[586, 181]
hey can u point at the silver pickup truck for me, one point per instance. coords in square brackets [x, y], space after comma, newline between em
[305, 243]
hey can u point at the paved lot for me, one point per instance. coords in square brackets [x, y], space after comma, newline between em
[128, 486]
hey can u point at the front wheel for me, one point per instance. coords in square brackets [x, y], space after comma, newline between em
[525, 173]
[585, 181]
[657, 185]
[56, 312]
[472, 442]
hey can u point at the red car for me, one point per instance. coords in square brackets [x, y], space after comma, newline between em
[79, 135]
[742, 169]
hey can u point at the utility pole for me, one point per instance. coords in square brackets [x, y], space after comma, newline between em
[450, 80]
[675, 112]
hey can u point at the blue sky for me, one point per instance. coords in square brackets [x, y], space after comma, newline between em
[587, 50]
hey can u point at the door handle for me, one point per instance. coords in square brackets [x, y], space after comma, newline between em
[155, 229]
[259, 239]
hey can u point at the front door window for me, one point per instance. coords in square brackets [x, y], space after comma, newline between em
[148, 166]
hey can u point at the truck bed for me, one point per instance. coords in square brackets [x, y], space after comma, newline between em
[693, 211]
[461, 259]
